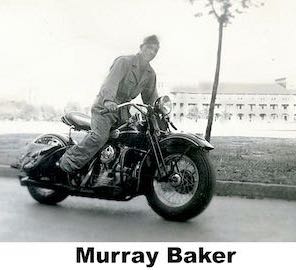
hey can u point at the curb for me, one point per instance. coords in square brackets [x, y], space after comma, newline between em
[223, 188]
[255, 190]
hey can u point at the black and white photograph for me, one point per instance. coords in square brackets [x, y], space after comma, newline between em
[148, 121]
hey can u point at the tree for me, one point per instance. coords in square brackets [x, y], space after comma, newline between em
[73, 106]
[48, 113]
[223, 11]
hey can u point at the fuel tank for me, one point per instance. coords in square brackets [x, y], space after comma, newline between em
[133, 138]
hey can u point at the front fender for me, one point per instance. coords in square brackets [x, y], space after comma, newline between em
[186, 139]
[171, 143]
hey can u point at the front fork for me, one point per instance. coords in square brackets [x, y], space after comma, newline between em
[161, 166]
[162, 170]
[153, 138]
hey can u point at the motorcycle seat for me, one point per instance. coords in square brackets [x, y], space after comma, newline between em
[78, 120]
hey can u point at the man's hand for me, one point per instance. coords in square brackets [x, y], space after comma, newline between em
[110, 105]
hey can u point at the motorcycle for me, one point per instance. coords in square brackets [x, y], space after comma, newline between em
[142, 156]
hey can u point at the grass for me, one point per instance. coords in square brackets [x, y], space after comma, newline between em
[263, 160]
[246, 159]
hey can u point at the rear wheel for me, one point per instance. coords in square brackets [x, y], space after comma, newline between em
[44, 195]
[47, 196]
[188, 189]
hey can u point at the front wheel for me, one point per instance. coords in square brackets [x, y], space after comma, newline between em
[188, 189]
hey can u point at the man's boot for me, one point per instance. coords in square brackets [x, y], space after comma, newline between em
[73, 177]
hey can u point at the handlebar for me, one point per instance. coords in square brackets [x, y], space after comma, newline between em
[104, 111]
[135, 105]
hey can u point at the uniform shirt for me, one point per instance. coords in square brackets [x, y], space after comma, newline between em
[129, 76]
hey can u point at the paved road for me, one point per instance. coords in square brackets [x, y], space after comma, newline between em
[83, 219]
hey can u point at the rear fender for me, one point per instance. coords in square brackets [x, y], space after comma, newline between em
[41, 155]
[64, 139]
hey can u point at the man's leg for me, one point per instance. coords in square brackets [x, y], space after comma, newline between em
[78, 155]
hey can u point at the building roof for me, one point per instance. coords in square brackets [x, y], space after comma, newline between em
[234, 89]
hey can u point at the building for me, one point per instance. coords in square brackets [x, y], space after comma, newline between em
[240, 101]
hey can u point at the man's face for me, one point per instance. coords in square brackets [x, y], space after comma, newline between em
[149, 51]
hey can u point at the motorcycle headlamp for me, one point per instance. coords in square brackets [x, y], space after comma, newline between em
[163, 105]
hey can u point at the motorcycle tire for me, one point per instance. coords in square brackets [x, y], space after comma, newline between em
[201, 193]
[47, 196]
[42, 195]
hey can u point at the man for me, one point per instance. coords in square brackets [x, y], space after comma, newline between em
[129, 76]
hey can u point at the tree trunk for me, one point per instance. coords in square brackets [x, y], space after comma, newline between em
[215, 85]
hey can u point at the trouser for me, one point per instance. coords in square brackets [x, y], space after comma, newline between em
[80, 154]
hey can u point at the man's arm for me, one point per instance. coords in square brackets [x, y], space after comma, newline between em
[110, 86]
[149, 95]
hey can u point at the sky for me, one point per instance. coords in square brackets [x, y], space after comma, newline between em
[59, 51]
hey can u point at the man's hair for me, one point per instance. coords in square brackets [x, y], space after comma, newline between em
[153, 39]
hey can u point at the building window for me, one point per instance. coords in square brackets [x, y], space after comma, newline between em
[192, 111]
[192, 106]
[240, 116]
[181, 105]
[262, 106]
[251, 116]
[181, 116]
[262, 116]
[285, 117]
[252, 106]
[217, 106]
[274, 116]
[229, 115]
[285, 106]
[239, 106]
[217, 116]
[273, 106]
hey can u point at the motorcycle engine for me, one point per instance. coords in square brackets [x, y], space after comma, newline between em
[122, 163]
[108, 154]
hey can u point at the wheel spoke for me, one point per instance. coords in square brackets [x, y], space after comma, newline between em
[178, 192]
